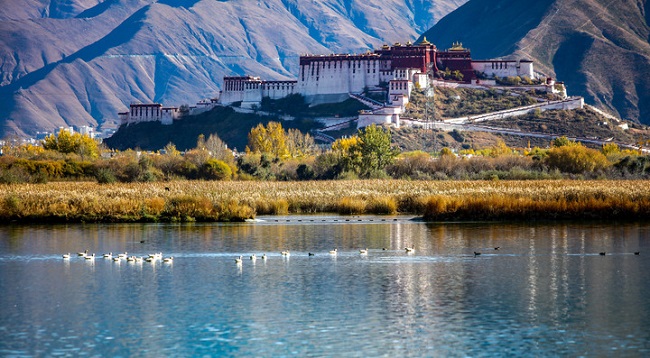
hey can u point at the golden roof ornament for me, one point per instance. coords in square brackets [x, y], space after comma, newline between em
[457, 46]
[424, 41]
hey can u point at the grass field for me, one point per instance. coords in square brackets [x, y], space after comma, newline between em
[240, 200]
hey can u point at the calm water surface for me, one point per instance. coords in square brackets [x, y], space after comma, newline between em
[545, 292]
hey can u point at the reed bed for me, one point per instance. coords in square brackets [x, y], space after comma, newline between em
[237, 201]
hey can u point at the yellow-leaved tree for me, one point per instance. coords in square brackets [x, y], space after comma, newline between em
[270, 139]
[66, 142]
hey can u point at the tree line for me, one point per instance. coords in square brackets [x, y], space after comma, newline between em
[274, 153]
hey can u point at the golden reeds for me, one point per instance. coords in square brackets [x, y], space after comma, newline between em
[228, 201]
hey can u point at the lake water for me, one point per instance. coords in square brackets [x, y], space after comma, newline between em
[545, 292]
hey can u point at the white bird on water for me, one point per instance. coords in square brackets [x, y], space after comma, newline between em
[364, 251]
[66, 256]
[168, 259]
[108, 255]
[238, 260]
[334, 252]
[90, 257]
[253, 257]
[409, 249]
[285, 253]
[82, 253]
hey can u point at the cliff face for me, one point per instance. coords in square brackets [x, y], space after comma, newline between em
[599, 48]
[79, 62]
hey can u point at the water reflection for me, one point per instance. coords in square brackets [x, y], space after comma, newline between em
[545, 291]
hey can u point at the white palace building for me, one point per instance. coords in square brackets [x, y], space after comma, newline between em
[400, 68]
[397, 70]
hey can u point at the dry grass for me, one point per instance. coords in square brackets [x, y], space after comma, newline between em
[225, 201]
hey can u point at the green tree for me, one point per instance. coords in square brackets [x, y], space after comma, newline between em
[376, 150]
[562, 142]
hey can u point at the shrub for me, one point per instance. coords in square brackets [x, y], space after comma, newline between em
[305, 172]
[576, 159]
[14, 175]
[214, 169]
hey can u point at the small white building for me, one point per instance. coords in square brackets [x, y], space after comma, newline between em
[388, 115]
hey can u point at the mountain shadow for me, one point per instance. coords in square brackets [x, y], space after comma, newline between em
[489, 28]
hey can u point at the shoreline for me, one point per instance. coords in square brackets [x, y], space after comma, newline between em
[233, 201]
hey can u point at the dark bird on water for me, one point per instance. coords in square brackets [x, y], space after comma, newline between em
[311, 254]
[637, 253]
[603, 253]
[476, 253]
[498, 247]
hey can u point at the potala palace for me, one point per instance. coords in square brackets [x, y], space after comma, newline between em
[332, 78]
[396, 70]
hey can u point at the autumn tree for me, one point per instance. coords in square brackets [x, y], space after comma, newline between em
[299, 145]
[499, 149]
[66, 142]
[218, 149]
[270, 139]
[170, 149]
[347, 154]
[576, 159]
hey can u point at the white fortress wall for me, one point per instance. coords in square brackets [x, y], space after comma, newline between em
[168, 115]
[235, 88]
[278, 89]
[526, 69]
[252, 94]
[338, 75]
[567, 104]
[504, 68]
[230, 97]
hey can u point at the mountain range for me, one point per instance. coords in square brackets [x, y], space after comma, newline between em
[599, 48]
[79, 62]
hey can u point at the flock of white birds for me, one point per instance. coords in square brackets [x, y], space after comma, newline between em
[123, 256]
[159, 256]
